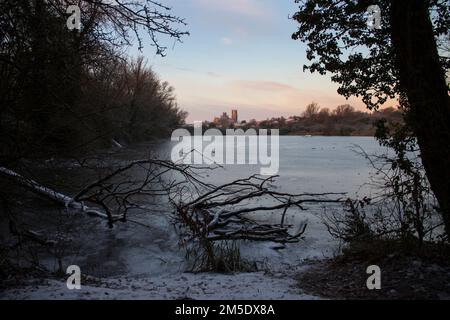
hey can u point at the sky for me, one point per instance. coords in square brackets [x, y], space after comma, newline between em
[240, 55]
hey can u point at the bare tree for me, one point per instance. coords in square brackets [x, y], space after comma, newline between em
[127, 19]
[344, 110]
[311, 110]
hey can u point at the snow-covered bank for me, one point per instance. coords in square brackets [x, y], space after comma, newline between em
[132, 262]
[245, 286]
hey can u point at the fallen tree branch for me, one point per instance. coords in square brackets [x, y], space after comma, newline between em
[222, 213]
[50, 194]
[114, 194]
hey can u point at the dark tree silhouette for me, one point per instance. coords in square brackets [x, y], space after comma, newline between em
[311, 110]
[405, 58]
[61, 88]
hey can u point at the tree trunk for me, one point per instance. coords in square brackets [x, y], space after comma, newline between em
[422, 79]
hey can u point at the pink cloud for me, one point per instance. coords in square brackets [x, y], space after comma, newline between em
[258, 85]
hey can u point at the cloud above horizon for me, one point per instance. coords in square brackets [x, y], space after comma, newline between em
[240, 54]
[243, 7]
[226, 41]
[261, 85]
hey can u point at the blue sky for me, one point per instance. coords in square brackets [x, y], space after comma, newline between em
[240, 55]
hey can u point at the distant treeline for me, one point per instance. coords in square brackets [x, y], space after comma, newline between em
[342, 121]
[64, 91]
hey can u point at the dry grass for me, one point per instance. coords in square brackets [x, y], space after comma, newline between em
[407, 272]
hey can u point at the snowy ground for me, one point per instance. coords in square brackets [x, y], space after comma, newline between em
[133, 262]
[245, 286]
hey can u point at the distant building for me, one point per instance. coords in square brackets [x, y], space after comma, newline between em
[234, 116]
[224, 121]
[290, 120]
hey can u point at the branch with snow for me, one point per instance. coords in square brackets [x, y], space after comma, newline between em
[225, 212]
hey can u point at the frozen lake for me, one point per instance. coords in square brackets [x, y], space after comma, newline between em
[307, 165]
[311, 164]
[147, 262]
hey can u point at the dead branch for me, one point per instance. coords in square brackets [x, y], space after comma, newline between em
[204, 212]
[113, 195]
[222, 213]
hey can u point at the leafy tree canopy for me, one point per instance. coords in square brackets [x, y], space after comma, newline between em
[360, 59]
